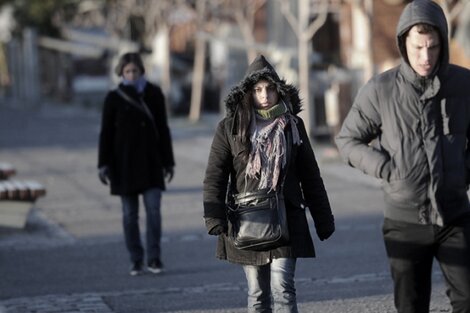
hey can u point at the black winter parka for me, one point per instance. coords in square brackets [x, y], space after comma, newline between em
[303, 187]
[135, 153]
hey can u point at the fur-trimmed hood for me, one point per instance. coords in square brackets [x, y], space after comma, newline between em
[262, 69]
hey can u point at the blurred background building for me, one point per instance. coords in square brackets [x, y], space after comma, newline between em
[65, 50]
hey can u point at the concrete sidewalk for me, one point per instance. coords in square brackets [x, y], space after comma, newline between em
[71, 257]
[56, 145]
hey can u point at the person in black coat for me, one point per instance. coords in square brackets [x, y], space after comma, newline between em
[250, 146]
[135, 155]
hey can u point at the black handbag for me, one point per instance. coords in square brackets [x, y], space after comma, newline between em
[258, 221]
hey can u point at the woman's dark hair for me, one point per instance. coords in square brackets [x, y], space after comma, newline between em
[245, 115]
[130, 57]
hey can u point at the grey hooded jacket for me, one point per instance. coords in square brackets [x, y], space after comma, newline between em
[419, 129]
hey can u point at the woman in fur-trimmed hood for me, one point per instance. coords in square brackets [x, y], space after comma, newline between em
[262, 144]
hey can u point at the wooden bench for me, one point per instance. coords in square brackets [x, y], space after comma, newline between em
[17, 197]
[6, 170]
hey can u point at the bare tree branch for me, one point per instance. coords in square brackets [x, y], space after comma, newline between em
[290, 17]
[247, 32]
[245, 15]
[456, 11]
[318, 22]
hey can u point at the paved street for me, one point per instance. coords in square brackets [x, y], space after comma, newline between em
[70, 257]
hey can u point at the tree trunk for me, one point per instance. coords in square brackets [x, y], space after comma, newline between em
[161, 57]
[199, 66]
[304, 68]
[198, 79]
[369, 68]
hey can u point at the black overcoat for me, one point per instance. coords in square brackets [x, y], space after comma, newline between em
[134, 150]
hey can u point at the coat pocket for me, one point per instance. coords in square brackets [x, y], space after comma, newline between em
[406, 193]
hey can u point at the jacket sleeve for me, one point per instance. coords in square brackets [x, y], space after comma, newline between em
[313, 188]
[163, 129]
[361, 126]
[467, 157]
[217, 175]
[106, 137]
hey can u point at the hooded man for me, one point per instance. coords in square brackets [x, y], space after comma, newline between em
[418, 115]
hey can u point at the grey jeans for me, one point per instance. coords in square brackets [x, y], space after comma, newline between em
[412, 248]
[271, 287]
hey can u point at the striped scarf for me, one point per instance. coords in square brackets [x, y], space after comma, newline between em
[268, 146]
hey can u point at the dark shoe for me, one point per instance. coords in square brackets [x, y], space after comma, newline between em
[136, 269]
[155, 267]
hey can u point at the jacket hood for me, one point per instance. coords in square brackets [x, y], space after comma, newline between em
[428, 12]
[259, 69]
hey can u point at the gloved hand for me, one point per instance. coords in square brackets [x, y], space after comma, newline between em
[216, 226]
[218, 230]
[168, 172]
[103, 174]
[325, 230]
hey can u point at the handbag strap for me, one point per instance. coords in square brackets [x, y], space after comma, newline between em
[142, 106]
[231, 199]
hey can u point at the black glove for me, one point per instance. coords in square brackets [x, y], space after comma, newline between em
[324, 224]
[218, 230]
[168, 172]
[215, 226]
[103, 174]
[325, 230]
[323, 235]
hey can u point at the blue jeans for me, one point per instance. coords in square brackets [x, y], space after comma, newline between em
[272, 283]
[130, 208]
